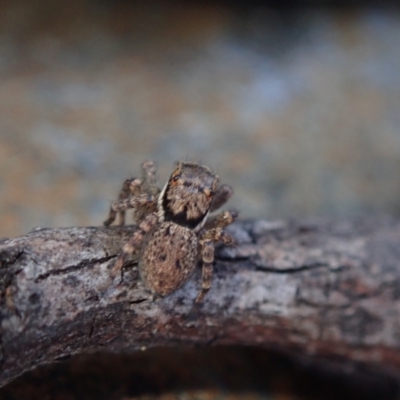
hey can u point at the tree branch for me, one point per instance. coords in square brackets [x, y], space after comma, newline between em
[327, 289]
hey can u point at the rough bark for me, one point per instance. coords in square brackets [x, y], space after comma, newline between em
[325, 289]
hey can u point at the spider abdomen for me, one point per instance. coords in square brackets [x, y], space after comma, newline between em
[168, 258]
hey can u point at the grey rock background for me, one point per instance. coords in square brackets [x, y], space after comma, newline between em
[299, 110]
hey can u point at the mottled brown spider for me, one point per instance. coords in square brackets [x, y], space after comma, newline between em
[173, 231]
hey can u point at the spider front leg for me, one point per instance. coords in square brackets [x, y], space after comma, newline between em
[221, 220]
[133, 187]
[207, 240]
[136, 202]
[149, 171]
[133, 244]
[130, 187]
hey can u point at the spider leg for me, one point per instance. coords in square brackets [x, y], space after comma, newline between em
[207, 256]
[136, 202]
[134, 187]
[133, 243]
[221, 220]
[130, 187]
[207, 240]
[149, 170]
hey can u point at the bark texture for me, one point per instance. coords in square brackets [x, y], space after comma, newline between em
[323, 289]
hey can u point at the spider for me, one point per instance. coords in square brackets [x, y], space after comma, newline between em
[173, 228]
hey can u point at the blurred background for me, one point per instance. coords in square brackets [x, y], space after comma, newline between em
[297, 107]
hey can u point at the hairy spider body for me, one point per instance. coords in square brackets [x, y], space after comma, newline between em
[168, 258]
[173, 232]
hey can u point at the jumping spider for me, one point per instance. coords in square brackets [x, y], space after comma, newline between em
[173, 231]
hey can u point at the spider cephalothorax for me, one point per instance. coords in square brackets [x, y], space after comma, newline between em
[172, 235]
[187, 196]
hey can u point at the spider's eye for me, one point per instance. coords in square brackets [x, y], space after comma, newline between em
[176, 178]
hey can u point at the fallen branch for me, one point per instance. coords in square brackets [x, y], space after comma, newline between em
[330, 290]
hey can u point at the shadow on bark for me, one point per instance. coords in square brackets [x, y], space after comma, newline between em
[217, 372]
